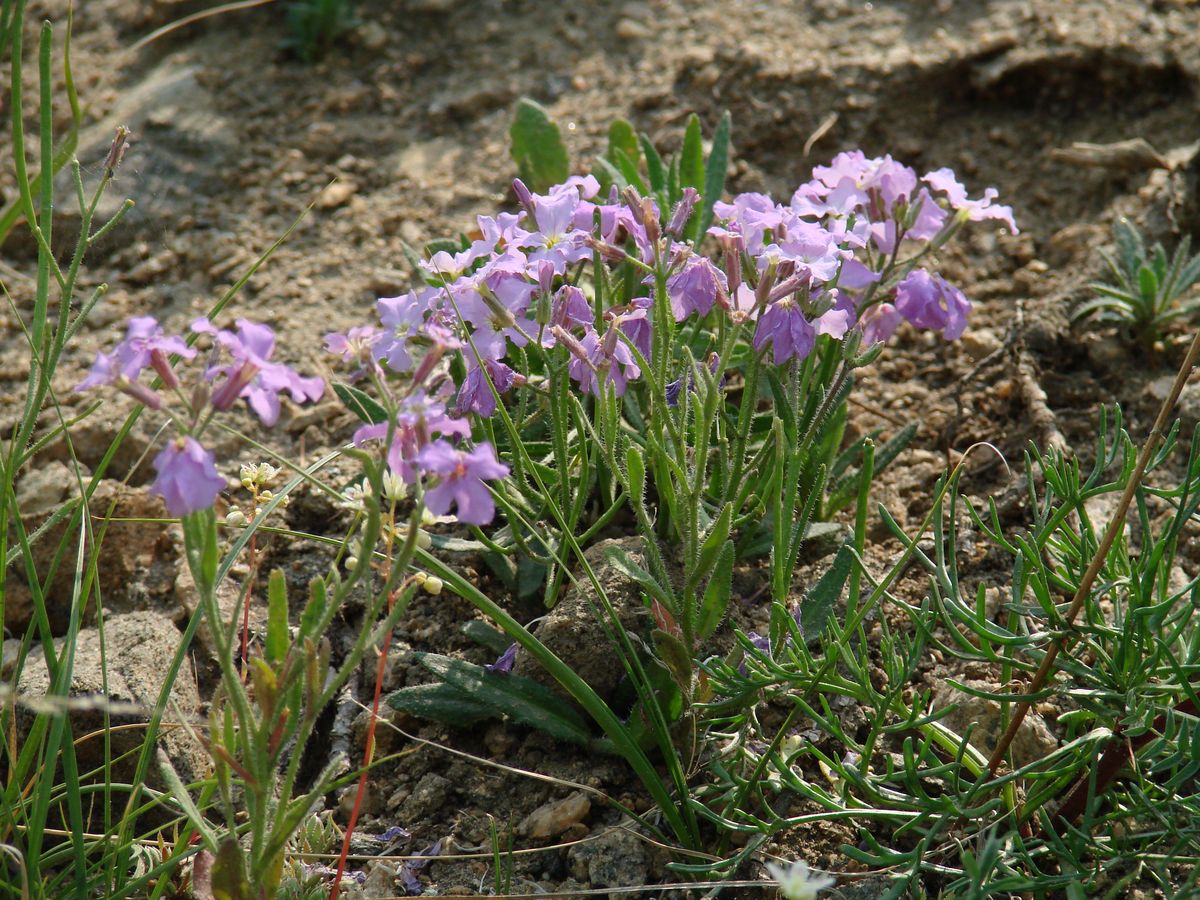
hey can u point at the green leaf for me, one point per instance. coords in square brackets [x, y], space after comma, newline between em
[714, 173]
[537, 147]
[360, 404]
[621, 136]
[521, 699]
[629, 171]
[675, 655]
[624, 562]
[486, 636]
[818, 605]
[229, 873]
[1148, 284]
[691, 156]
[635, 466]
[443, 245]
[608, 174]
[413, 257]
[314, 609]
[277, 616]
[716, 595]
[441, 702]
[654, 166]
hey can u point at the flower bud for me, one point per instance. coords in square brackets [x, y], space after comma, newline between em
[683, 212]
[524, 197]
[116, 152]
[138, 391]
[235, 518]
[432, 585]
[162, 365]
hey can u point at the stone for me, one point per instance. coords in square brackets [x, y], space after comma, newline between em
[632, 30]
[552, 819]
[336, 194]
[427, 799]
[572, 630]
[128, 551]
[1033, 741]
[139, 648]
[616, 858]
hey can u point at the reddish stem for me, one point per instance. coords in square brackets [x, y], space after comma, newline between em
[368, 752]
[1119, 752]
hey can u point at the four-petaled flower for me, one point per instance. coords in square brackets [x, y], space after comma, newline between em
[461, 475]
[187, 477]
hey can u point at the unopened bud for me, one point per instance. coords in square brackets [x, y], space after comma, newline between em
[235, 518]
[162, 366]
[432, 585]
[633, 200]
[608, 251]
[138, 392]
[524, 197]
[653, 229]
[116, 152]
[683, 212]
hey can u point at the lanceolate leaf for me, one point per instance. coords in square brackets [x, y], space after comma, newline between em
[360, 404]
[538, 148]
[691, 156]
[714, 173]
[821, 600]
[521, 699]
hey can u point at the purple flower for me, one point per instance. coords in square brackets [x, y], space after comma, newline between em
[810, 247]
[187, 477]
[634, 323]
[356, 345]
[253, 376]
[571, 309]
[880, 322]
[144, 346]
[419, 418]
[476, 396]
[928, 301]
[695, 288]
[784, 324]
[975, 210]
[393, 835]
[408, 872]
[504, 664]
[556, 239]
[401, 318]
[676, 387]
[601, 360]
[461, 480]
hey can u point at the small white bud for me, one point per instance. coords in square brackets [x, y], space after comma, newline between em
[432, 585]
[236, 518]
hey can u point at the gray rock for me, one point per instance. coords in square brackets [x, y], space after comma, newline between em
[573, 631]
[1033, 741]
[138, 650]
[128, 551]
[616, 858]
[427, 799]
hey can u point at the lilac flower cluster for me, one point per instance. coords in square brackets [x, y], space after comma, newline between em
[239, 366]
[839, 255]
